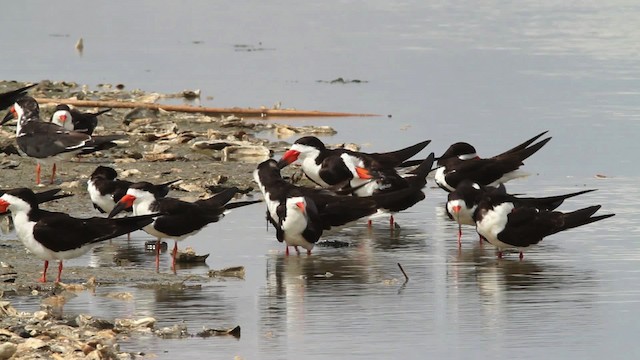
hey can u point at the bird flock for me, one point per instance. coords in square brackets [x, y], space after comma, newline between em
[350, 185]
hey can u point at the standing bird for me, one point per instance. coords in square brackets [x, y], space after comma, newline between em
[463, 202]
[505, 225]
[300, 215]
[327, 168]
[178, 219]
[48, 142]
[485, 171]
[10, 97]
[58, 236]
[74, 120]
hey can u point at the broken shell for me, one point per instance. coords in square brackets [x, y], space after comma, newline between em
[234, 271]
[235, 332]
[160, 157]
[247, 153]
[7, 350]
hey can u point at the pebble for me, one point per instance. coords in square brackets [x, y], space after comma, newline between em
[7, 350]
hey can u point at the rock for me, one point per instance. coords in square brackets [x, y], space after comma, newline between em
[159, 157]
[235, 332]
[9, 277]
[126, 296]
[215, 145]
[7, 350]
[234, 271]
[143, 323]
[190, 187]
[33, 343]
[71, 184]
[41, 315]
[174, 332]
[159, 149]
[246, 153]
[128, 173]
[189, 256]
[140, 113]
[6, 309]
[84, 320]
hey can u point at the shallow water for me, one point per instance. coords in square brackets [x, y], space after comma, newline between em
[493, 74]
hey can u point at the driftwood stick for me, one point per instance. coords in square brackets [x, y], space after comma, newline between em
[247, 112]
[406, 277]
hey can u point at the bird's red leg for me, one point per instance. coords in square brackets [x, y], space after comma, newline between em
[521, 255]
[286, 251]
[38, 174]
[369, 223]
[499, 254]
[43, 279]
[158, 255]
[53, 173]
[128, 236]
[391, 221]
[175, 253]
[459, 235]
[308, 252]
[59, 271]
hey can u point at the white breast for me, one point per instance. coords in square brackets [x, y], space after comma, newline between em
[493, 222]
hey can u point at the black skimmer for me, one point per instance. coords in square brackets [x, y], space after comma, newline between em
[58, 236]
[74, 120]
[463, 202]
[48, 142]
[327, 168]
[178, 219]
[301, 214]
[106, 190]
[462, 151]
[370, 181]
[10, 97]
[485, 171]
[505, 225]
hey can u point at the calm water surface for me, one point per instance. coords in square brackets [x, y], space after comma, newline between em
[492, 74]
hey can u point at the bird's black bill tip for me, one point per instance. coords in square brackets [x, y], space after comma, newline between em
[7, 117]
[282, 164]
[120, 207]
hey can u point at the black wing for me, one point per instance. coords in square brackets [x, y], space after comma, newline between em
[396, 158]
[61, 232]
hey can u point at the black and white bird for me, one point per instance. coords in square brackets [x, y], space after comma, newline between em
[105, 189]
[507, 226]
[463, 202]
[485, 171]
[74, 120]
[368, 181]
[10, 97]
[48, 142]
[56, 235]
[327, 168]
[178, 219]
[300, 214]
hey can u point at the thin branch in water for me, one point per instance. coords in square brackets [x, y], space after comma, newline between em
[406, 277]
